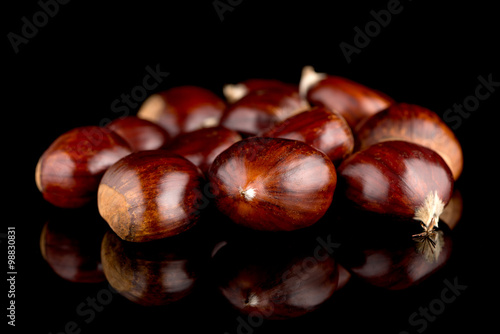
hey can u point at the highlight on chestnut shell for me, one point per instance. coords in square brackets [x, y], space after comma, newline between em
[150, 195]
[319, 127]
[140, 134]
[273, 184]
[234, 92]
[351, 99]
[414, 123]
[69, 171]
[183, 109]
[261, 109]
[202, 146]
[399, 179]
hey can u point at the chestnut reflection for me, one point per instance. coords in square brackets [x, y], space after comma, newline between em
[275, 277]
[382, 253]
[154, 273]
[70, 242]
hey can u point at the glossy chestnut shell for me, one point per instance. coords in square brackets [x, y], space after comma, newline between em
[69, 171]
[273, 183]
[395, 178]
[150, 195]
[353, 100]
[319, 127]
[140, 134]
[202, 146]
[183, 109]
[260, 109]
[409, 122]
[234, 92]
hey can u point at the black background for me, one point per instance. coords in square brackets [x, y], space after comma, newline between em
[89, 54]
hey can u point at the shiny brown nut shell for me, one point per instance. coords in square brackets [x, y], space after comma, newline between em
[140, 134]
[69, 171]
[150, 195]
[319, 127]
[183, 109]
[273, 183]
[261, 109]
[409, 122]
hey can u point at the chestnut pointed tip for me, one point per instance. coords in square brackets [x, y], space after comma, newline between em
[248, 194]
[428, 213]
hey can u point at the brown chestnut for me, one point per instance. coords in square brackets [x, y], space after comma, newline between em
[234, 92]
[399, 179]
[155, 273]
[202, 146]
[260, 109]
[150, 195]
[319, 127]
[352, 100]
[69, 171]
[409, 122]
[273, 183]
[275, 279]
[183, 109]
[139, 133]
[70, 242]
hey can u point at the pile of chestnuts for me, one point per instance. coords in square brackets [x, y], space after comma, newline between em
[268, 155]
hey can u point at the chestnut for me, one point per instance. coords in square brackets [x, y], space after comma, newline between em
[150, 195]
[70, 243]
[275, 279]
[409, 122]
[319, 127]
[139, 133]
[234, 92]
[69, 171]
[203, 145]
[156, 273]
[183, 109]
[351, 99]
[260, 109]
[399, 179]
[273, 184]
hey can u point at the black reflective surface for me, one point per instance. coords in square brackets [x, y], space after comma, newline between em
[88, 65]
